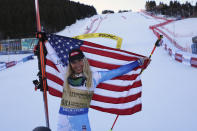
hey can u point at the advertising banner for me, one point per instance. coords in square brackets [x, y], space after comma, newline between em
[28, 44]
[10, 64]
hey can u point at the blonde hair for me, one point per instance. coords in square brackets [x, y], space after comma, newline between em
[86, 72]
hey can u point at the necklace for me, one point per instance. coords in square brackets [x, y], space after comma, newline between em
[76, 79]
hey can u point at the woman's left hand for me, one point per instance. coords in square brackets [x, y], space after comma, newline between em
[144, 62]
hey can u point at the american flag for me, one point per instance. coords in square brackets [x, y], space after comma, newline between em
[120, 95]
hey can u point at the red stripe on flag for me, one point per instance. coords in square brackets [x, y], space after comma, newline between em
[119, 100]
[108, 54]
[126, 77]
[54, 79]
[111, 87]
[128, 111]
[54, 92]
[105, 47]
[51, 64]
[102, 65]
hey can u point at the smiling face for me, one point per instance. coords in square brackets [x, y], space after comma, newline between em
[77, 66]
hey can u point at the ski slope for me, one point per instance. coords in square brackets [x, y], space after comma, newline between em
[169, 87]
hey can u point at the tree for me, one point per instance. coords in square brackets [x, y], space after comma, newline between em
[173, 9]
[18, 17]
[107, 11]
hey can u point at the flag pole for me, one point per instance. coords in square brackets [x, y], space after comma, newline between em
[155, 45]
[153, 50]
[114, 123]
[42, 62]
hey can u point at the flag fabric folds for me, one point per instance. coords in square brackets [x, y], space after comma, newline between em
[120, 95]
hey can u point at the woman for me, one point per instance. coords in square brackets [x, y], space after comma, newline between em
[78, 90]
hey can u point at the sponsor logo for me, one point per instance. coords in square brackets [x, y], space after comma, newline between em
[107, 35]
[74, 53]
[193, 62]
[10, 64]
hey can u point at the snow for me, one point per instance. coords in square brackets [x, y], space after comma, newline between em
[169, 87]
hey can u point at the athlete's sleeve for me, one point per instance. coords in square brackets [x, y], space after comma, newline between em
[107, 75]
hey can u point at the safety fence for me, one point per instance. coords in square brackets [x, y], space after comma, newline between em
[156, 27]
[180, 56]
[91, 26]
[167, 21]
[156, 17]
[100, 21]
[13, 63]
[89, 29]
[177, 34]
[17, 46]
[124, 17]
[176, 51]
[172, 40]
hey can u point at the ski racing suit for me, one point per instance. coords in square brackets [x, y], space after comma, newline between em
[73, 113]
